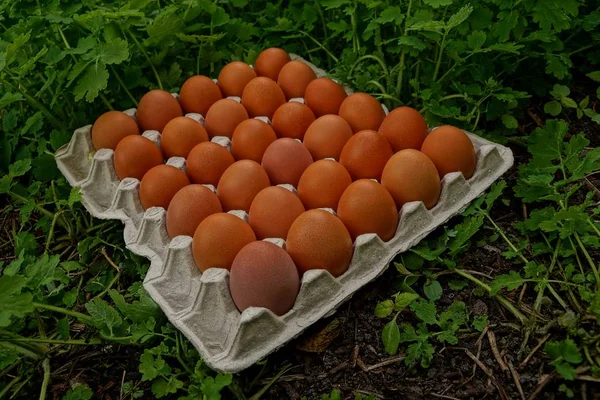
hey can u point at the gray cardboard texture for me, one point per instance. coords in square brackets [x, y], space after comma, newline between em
[200, 305]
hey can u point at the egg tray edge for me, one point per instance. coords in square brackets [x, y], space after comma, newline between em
[200, 305]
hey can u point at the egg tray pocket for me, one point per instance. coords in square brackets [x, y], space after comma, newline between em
[199, 304]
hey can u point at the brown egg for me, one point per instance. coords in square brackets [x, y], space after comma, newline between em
[189, 207]
[156, 109]
[324, 96]
[218, 239]
[322, 184]
[160, 184]
[198, 93]
[294, 77]
[207, 162]
[362, 112]
[250, 140]
[404, 128]
[367, 207]
[319, 240]
[411, 176]
[135, 155]
[240, 183]
[270, 62]
[292, 120]
[110, 128]
[234, 77]
[223, 117]
[451, 150]
[180, 136]
[365, 155]
[285, 161]
[273, 211]
[262, 96]
[326, 137]
[264, 275]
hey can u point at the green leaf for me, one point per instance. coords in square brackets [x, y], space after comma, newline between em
[137, 311]
[211, 387]
[19, 168]
[384, 308]
[151, 367]
[425, 311]
[220, 17]
[43, 272]
[166, 24]
[509, 281]
[412, 42]
[113, 52]
[103, 315]
[509, 121]
[594, 76]
[91, 83]
[433, 290]
[553, 108]
[12, 301]
[10, 98]
[422, 350]
[162, 387]
[7, 357]
[391, 14]
[568, 102]
[437, 3]
[566, 370]
[480, 322]
[476, 39]
[391, 337]
[460, 17]
[80, 392]
[403, 300]
[464, 232]
[555, 14]
[457, 284]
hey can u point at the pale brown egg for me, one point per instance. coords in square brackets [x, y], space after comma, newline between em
[362, 112]
[240, 183]
[319, 240]
[285, 161]
[135, 155]
[250, 140]
[262, 96]
[273, 211]
[110, 128]
[223, 117]
[292, 120]
[264, 275]
[270, 62]
[198, 94]
[365, 155]
[189, 207]
[411, 176]
[160, 184]
[207, 162]
[156, 109]
[322, 184]
[218, 240]
[324, 96]
[234, 77]
[180, 136]
[451, 150]
[326, 137]
[404, 128]
[294, 77]
[367, 207]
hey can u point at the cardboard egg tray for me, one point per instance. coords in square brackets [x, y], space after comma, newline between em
[199, 304]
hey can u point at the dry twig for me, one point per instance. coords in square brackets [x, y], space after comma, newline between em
[541, 386]
[479, 364]
[536, 348]
[492, 339]
[517, 379]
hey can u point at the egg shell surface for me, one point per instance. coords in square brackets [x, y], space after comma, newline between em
[250, 140]
[294, 77]
[160, 184]
[155, 109]
[234, 77]
[292, 119]
[207, 162]
[270, 61]
[362, 111]
[110, 128]
[180, 136]
[324, 96]
[322, 184]
[198, 94]
[404, 128]
[240, 183]
[451, 150]
[223, 117]
[135, 155]
[285, 161]
[262, 97]
[326, 137]
[189, 207]
[273, 211]
[365, 154]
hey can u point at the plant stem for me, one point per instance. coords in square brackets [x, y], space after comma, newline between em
[589, 259]
[56, 341]
[371, 57]
[106, 102]
[591, 223]
[584, 48]
[403, 53]
[123, 86]
[109, 286]
[506, 239]
[334, 58]
[46, 366]
[9, 385]
[51, 232]
[138, 44]
[86, 319]
[439, 60]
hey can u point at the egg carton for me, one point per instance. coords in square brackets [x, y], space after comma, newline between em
[199, 304]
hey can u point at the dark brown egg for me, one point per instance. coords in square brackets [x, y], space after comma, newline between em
[362, 112]
[207, 162]
[294, 77]
[285, 161]
[160, 184]
[135, 155]
[250, 140]
[292, 120]
[198, 93]
[411, 176]
[240, 183]
[326, 137]
[180, 136]
[223, 117]
[404, 128]
[367, 207]
[262, 96]
[322, 184]
[234, 77]
[273, 211]
[319, 240]
[189, 207]
[110, 128]
[218, 239]
[264, 275]
[324, 96]
[365, 155]
[156, 109]
[270, 62]
[451, 150]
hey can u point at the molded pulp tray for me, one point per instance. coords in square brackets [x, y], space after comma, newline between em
[200, 305]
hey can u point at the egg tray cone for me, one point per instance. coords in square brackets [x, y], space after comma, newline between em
[199, 304]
